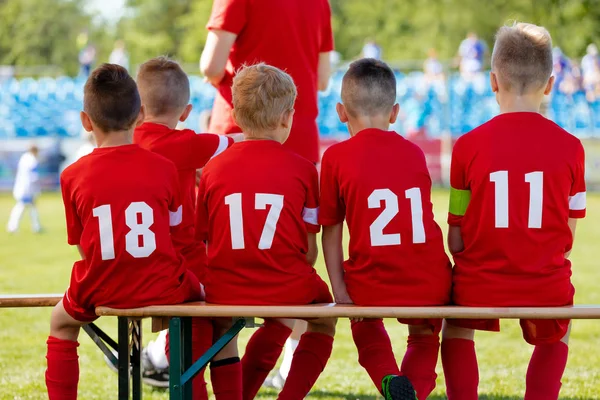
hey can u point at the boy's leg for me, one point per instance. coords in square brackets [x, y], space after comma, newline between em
[262, 352]
[35, 218]
[202, 337]
[546, 368]
[62, 374]
[460, 362]
[310, 358]
[15, 217]
[226, 369]
[375, 352]
[421, 357]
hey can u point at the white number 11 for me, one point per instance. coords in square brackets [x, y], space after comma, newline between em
[536, 198]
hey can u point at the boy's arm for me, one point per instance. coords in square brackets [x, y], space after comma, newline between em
[325, 49]
[198, 149]
[324, 71]
[455, 241]
[313, 249]
[333, 253]
[460, 197]
[573, 227]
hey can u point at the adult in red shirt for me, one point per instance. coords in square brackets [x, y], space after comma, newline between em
[293, 35]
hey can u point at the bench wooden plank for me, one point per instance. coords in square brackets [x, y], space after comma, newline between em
[201, 309]
[29, 300]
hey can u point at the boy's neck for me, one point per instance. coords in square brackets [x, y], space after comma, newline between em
[361, 123]
[170, 122]
[264, 135]
[510, 103]
[113, 139]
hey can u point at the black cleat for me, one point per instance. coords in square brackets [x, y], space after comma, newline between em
[397, 388]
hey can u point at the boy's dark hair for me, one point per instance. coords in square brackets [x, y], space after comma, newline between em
[164, 86]
[111, 98]
[369, 88]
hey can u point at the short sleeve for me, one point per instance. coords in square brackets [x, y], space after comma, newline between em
[202, 211]
[310, 212]
[327, 32]
[333, 210]
[577, 196]
[460, 193]
[74, 225]
[198, 149]
[175, 207]
[228, 15]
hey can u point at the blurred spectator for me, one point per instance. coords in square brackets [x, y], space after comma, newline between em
[25, 191]
[590, 69]
[371, 50]
[119, 55]
[471, 53]
[433, 68]
[567, 75]
[87, 58]
[54, 158]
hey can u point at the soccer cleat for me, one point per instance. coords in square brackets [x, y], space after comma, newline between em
[152, 376]
[397, 388]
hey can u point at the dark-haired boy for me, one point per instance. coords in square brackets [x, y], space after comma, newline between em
[121, 203]
[379, 183]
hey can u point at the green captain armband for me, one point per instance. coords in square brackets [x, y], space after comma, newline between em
[459, 201]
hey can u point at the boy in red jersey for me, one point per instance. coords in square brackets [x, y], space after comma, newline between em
[165, 92]
[517, 191]
[121, 203]
[379, 183]
[261, 232]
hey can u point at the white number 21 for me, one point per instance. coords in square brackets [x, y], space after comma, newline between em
[236, 219]
[390, 209]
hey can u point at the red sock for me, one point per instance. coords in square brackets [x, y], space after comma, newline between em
[375, 352]
[62, 375]
[226, 377]
[262, 352]
[419, 363]
[460, 369]
[545, 370]
[202, 332]
[310, 358]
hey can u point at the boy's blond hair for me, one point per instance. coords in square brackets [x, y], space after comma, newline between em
[522, 57]
[164, 86]
[262, 94]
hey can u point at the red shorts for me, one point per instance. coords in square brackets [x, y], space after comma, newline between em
[82, 306]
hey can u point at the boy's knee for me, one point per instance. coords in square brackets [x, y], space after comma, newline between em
[455, 332]
[424, 330]
[323, 325]
[62, 325]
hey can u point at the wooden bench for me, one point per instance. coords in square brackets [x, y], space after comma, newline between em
[178, 319]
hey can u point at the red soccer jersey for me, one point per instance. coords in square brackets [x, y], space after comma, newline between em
[189, 152]
[120, 205]
[379, 182]
[288, 35]
[524, 176]
[258, 201]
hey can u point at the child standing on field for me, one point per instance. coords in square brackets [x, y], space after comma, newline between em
[517, 192]
[379, 183]
[25, 191]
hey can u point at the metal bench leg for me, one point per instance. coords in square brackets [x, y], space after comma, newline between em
[176, 358]
[123, 357]
[136, 359]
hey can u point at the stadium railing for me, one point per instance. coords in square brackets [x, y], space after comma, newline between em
[177, 318]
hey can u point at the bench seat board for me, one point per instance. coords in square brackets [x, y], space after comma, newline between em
[29, 300]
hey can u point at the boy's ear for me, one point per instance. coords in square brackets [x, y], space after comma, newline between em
[341, 111]
[86, 121]
[186, 113]
[288, 119]
[233, 117]
[494, 82]
[141, 116]
[395, 112]
[549, 86]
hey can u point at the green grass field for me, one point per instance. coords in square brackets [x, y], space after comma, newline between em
[42, 263]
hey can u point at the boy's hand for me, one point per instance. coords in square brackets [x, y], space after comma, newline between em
[341, 296]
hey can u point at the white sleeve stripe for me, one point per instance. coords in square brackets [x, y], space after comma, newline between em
[311, 215]
[176, 217]
[223, 144]
[578, 201]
